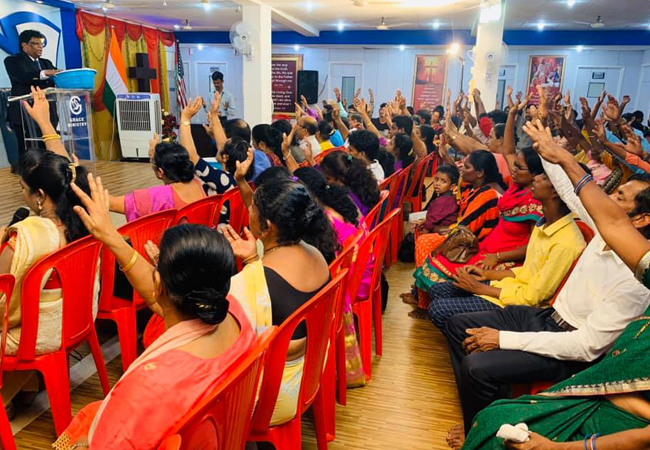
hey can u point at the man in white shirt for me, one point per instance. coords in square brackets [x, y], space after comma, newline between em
[306, 132]
[227, 106]
[364, 145]
[521, 344]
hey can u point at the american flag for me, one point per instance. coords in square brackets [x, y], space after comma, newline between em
[181, 91]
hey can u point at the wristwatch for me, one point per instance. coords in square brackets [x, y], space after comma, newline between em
[186, 123]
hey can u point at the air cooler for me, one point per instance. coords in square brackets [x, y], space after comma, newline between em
[139, 116]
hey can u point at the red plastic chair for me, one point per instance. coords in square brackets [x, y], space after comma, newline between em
[6, 435]
[335, 376]
[318, 314]
[318, 158]
[372, 246]
[171, 443]
[201, 211]
[121, 311]
[397, 233]
[374, 216]
[391, 184]
[76, 266]
[222, 419]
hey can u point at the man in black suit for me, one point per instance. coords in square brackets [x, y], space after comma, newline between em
[27, 69]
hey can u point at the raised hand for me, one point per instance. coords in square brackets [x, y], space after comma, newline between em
[155, 140]
[337, 93]
[519, 95]
[357, 93]
[95, 216]
[633, 144]
[192, 108]
[509, 91]
[40, 109]
[307, 152]
[214, 105]
[242, 167]
[612, 110]
[287, 141]
[303, 101]
[299, 111]
[567, 98]
[599, 131]
[544, 143]
[542, 110]
[242, 248]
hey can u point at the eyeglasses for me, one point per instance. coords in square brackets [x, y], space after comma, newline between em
[37, 44]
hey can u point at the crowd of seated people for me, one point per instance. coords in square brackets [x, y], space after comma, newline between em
[532, 259]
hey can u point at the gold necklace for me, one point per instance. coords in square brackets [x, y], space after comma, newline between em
[267, 252]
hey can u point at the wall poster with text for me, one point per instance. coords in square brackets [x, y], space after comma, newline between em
[284, 88]
[545, 71]
[429, 81]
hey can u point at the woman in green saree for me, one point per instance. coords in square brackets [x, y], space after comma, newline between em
[608, 405]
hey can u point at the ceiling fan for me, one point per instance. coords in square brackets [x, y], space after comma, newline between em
[384, 26]
[597, 24]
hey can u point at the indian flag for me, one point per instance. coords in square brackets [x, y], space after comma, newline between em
[115, 75]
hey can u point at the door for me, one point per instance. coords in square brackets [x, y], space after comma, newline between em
[507, 76]
[644, 92]
[592, 80]
[204, 86]
[348, 77]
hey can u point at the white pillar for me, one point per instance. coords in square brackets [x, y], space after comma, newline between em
[258, 106]
[487, 54]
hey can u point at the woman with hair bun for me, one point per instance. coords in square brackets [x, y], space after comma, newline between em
[206, 331]
[299, 242]
[269, 140]
[341, 169]
[347, 221]
[172, 165]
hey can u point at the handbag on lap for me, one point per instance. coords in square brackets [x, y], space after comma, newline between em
[459, 246]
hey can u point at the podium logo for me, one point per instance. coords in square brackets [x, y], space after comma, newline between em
[76, 107]
[13, 24]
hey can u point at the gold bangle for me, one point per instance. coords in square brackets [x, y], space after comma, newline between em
[50, 135]
[131, 263]
[250, 259]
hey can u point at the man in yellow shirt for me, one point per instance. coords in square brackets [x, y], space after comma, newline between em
[555, 243]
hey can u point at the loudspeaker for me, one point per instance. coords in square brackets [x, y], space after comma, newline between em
[308, 85]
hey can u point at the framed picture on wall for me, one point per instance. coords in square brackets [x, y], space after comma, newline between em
[546, 71]
[429, 80]
[284, 84]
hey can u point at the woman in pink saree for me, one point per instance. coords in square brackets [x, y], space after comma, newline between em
[346, 221]
[171, 164]
[206, 333]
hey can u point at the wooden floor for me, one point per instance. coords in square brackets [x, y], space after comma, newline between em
[410, 403]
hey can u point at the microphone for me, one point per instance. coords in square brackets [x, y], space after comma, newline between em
[21, 214]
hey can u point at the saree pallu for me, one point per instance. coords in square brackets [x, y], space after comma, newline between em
[478, 211]
[249, 287]
[577, 406]
[158, 389]
[355, 376]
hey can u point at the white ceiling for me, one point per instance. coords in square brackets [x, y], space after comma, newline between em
[405, 14]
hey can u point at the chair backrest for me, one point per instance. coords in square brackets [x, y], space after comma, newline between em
[76, 267]
[390, 185]
[372, 248]
[221, 420]
[318, 158]
[147, 228]
[344, 261]
[587, 233]
[318, 315]
[238, 213]
[374, 216]
[430, 166]
[415, 183]
[7, 283]
[402, 185]
[200, 212]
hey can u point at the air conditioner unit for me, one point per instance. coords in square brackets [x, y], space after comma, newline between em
[139, 116]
